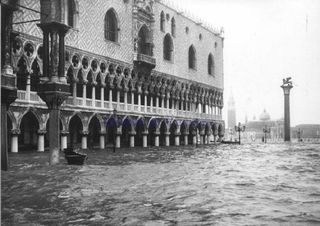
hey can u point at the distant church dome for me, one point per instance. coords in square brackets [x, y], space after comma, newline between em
[264, 116]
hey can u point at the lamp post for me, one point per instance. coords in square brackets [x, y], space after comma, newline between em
[265, 131]
[299, 133]
[115, 130]
[239, 129]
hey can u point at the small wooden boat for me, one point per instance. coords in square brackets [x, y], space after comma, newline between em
[230, 142]
[73, 157]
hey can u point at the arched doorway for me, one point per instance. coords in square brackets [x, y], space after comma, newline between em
[151, 130]
[111, 129]
[28, 138]
[138, 140]
[192, 131]
[173, 129]
[94, 133]
[75, 129]
[126, 129]
[163, 130]
[183, 130]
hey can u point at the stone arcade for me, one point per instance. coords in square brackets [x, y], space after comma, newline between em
[161, 71]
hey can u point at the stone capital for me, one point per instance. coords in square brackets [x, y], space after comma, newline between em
[15, 132]
[41, 132]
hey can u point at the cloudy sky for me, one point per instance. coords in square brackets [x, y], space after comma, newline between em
[265, 41]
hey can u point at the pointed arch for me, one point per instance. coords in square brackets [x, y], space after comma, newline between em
[168, 47]
[192, 57]
[111, 25]
[144, 43]
[173, 27]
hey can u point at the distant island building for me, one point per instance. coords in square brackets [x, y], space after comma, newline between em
[254, 128]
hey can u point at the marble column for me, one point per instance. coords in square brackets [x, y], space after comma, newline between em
[145, 103]
[139, 102]
[185, 139]
[132, 136]
[118, 140]
[102, 96]
[145, 139]
[118, 99]
[110, 98]
[194, 139]
[28, 87]
[41, 134]
[84, 93]
[74, 92]
[156, 139]
[84, 139]
[64, 139]
[93, 96]
[167, 134]
[177, 140]
[125, 100]
[102, 140]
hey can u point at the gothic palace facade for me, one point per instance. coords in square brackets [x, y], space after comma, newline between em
[140, 74]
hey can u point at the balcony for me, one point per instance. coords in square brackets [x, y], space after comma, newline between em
[97, 105]
[144, 60]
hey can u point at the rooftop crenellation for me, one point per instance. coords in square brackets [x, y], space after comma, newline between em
[189, 15]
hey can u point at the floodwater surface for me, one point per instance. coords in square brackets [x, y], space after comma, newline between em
[251, 184]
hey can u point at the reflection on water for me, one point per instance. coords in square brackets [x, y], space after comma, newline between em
[211, 185]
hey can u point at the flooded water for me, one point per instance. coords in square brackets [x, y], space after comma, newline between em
[258, 184]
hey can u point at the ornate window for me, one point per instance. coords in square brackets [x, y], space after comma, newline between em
[210, 64]
[173, 27]
[111, 26]
[192, 57]
[168, 48]
[162, 21]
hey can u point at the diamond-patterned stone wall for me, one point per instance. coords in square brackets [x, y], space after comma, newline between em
[89, 36]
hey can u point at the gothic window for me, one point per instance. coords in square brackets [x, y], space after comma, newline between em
[162, 21]
[210, 64]
[173, 27]
[192, 57]
[144, 42]
[71, 14]
[111, 26]
[168, 48]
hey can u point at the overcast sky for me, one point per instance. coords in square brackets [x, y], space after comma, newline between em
[265, 41]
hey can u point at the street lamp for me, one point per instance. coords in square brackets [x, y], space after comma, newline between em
[265, 131]
[299, 133]
[239, 129]
[115, 130]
